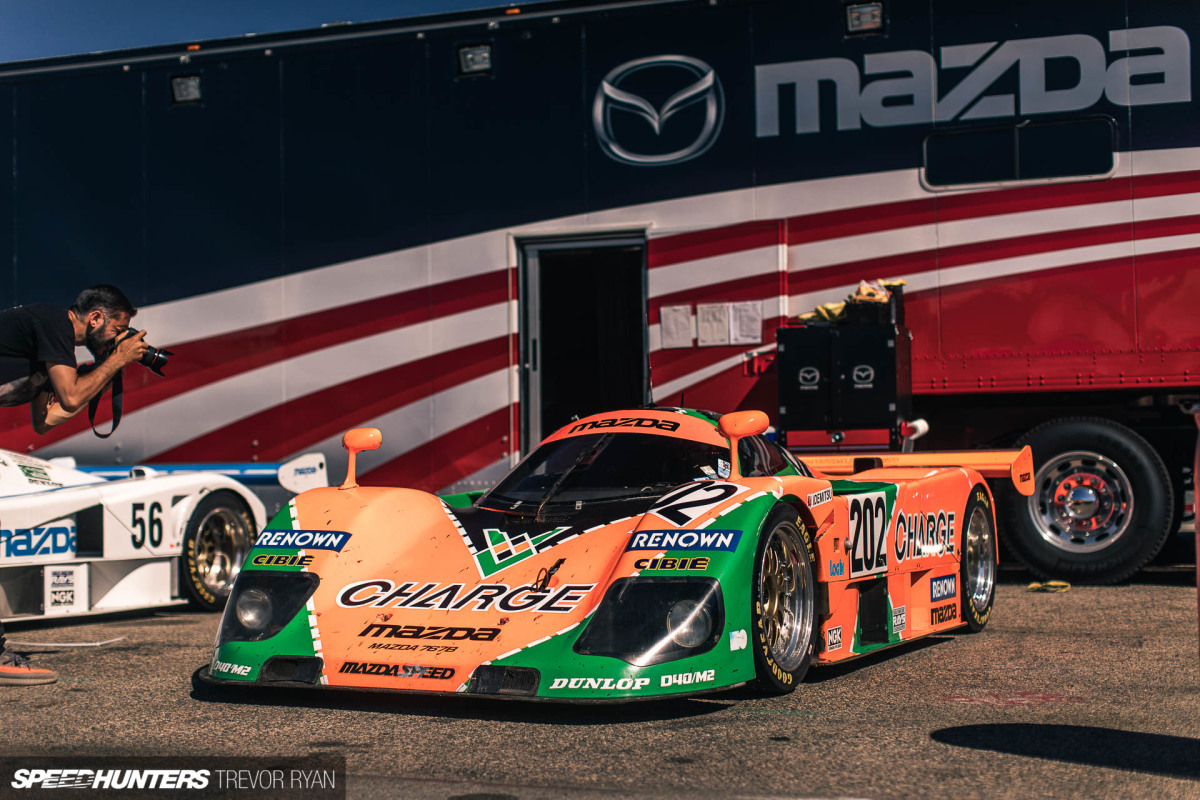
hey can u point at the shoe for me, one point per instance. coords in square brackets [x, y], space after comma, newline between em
[15, 671]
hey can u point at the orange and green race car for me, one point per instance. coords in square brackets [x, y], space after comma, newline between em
[633, 554]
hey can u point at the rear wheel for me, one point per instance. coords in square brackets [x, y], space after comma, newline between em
[783, 602]
[1101, 504]
[978, 560]
[215, 544]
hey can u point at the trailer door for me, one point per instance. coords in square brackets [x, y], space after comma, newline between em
[583, 330]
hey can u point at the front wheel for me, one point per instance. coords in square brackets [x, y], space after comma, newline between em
[783, 602]
[215, 544]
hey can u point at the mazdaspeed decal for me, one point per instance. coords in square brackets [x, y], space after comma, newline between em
[302, 539]
[685, 540]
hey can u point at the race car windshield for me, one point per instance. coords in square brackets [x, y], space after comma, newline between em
[608, 466]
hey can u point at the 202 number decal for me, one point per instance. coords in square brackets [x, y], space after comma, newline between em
[154, 529]
[868, 532]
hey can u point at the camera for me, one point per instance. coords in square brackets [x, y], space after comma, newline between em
[154, 359]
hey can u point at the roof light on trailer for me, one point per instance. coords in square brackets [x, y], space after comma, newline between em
[475, 59]
[864, 18]
[185, 89]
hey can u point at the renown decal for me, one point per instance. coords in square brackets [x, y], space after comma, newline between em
[382, 593]
[302, 540]
[685, 540]
[910, 95]
[943, 588]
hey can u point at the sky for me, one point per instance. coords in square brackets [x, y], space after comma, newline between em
[32, 29]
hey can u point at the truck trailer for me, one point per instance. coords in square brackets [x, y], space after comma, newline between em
[466, 229]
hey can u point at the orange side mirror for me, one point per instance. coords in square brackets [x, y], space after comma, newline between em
[355, 441]
[738, 425]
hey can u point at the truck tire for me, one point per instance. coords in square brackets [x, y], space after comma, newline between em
[215, 543]
[1101, 504]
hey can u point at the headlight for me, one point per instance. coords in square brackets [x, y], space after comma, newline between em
[253, 609]
[262, 602]
[689, 623]
[650, 620]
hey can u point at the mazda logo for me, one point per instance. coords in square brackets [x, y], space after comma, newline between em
[704, 87]
[864, 373]
[809, 376]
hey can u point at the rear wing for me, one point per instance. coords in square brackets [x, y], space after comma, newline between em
[1014, 464]
[297, 475]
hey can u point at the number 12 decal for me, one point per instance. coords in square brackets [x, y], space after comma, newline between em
[868, 534]
[686, 504]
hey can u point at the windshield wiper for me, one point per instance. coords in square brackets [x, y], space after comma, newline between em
[595, 448]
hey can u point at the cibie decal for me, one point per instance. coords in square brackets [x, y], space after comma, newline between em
[303, 540]
[819, 498]
[690, 502]
[685, 540]
[868, 534]
[919, 535]
[943, 588]
[383, 593]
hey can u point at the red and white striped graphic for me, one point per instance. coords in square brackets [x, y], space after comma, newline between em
[422, 343]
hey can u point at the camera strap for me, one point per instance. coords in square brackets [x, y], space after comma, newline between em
[118, 402]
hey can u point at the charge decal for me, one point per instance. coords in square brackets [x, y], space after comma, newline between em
[919, 535]
[690, 502]
[868, 534]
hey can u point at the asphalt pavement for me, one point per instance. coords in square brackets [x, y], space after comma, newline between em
[1088, 693]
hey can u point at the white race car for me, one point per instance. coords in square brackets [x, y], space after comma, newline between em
[75, 541]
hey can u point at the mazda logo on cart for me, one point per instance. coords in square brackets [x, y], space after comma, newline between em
[615, 95]
[809, 377]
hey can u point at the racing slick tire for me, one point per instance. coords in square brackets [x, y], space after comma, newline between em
[215, 543]
[1101, 503]
[977, 560]
[783, 602]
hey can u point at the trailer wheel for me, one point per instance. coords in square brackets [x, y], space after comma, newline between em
[215, 544]
[1101, 504]
[783, 602]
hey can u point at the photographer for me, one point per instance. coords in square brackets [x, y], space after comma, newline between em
[37, 366]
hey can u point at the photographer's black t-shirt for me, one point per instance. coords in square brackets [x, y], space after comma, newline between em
[30, 337]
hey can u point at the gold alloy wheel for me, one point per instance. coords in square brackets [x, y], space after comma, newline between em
[786, 596]
[222, 543]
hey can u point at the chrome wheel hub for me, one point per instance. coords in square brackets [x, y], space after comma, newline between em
[787, 597]
[980, 556]
[222, 542]
[1082, 502]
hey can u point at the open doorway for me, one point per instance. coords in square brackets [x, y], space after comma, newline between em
[583, 330]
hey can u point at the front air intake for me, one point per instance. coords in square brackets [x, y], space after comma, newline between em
[286, 669]
[520, 681]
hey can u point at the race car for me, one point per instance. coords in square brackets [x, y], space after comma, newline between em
[74, 542]
[632, 554]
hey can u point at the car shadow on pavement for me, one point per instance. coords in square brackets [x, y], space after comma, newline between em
[1132, 751]
[826, 673]
[465, 706]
